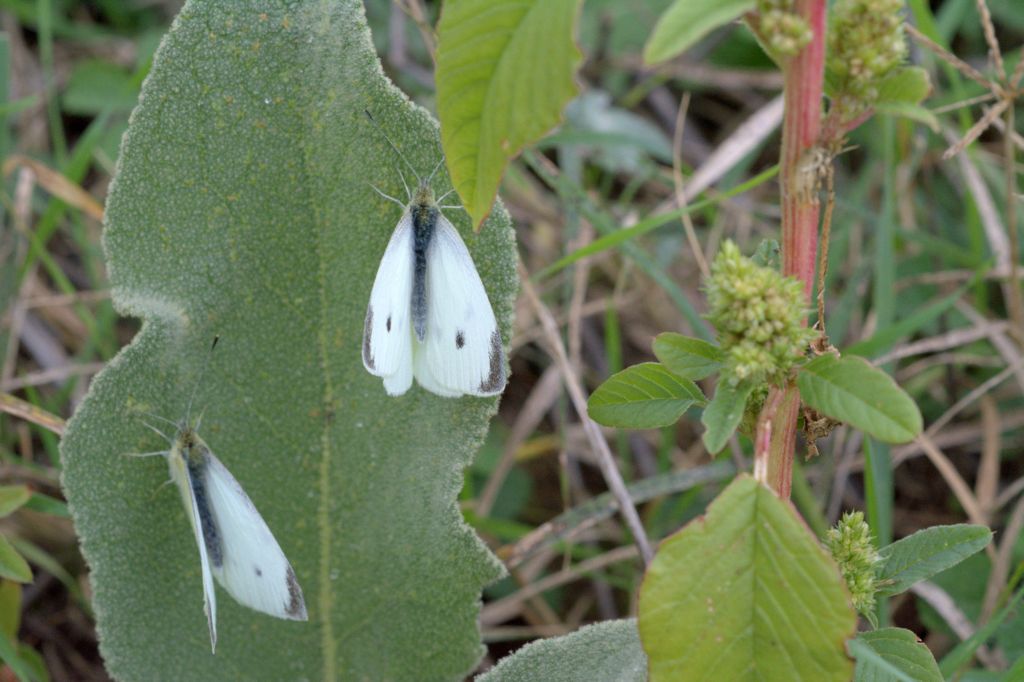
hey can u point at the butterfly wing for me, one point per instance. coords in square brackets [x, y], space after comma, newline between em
[183, 478]
[387, 337]
[462, 352]
[252, 567]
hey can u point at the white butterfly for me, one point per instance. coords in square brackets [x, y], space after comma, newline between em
[429, 316]
[235, 545]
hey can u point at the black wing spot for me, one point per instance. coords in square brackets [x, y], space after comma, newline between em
[387, 324]
[367, 338]
[460, 339]
[495, 380]
[259, 573]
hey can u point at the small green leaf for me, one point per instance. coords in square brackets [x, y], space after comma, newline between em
[504, 73]
[12, 565]
[906, 85]
[919, 556]
[851, 390]
[715, 604]
[688, 357]
[687, 21]
[644, 396]
[12, 497]
[893, 654]
[603, 652]
[723, 414]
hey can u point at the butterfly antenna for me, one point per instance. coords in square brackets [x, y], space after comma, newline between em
[443, 196]
[397, 150]
[388, 196]
[199, 381]
[166, 437]
[440, 162]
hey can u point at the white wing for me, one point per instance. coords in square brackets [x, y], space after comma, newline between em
[252, 567]
[387, 334]
[183, 479]
[462, 351]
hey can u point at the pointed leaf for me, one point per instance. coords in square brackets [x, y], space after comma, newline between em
[644, 396]
[504, 73]
[687, 21]
[603, 652]
[10, 656]
[242, 207]
[919, 556]
[744, 593]
[12, 498]
[12, 565]
[850, 390]
[688, 357]
[893, 654]
[724, 413]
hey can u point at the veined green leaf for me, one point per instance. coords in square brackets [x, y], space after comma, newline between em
[850, 390]
[724, 413]
[644, 396]
[743, 593]
[242, 207]
[504, 73]
[603, 652]
[687, 21]
[688, 357]
[929, 551]
[893, 654]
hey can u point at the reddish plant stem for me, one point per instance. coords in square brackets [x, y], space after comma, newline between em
[801, 170]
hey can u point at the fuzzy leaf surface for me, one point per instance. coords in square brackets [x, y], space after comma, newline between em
[242, 208]
[603, 652]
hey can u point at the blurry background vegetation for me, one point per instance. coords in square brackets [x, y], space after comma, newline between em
[913, 264]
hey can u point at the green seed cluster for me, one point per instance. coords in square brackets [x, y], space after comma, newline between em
[785, 31]
[759, 315]
[865, 43]
[850, 545]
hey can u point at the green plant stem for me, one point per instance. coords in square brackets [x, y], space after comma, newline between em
[799, 178]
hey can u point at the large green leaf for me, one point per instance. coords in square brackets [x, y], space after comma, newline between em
[745, 593]
[851, 390]
[644, 396]
[504, 73]
[242, 207]
[929, 551]
[604, 652]
[892, 654]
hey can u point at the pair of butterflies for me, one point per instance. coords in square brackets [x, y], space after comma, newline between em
[429, 318]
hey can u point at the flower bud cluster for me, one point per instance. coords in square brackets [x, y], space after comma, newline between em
[865, 43]
[849, 543]
[785, 31]
[759, 315]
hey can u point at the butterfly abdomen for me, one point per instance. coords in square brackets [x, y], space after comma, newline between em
[424, 219]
